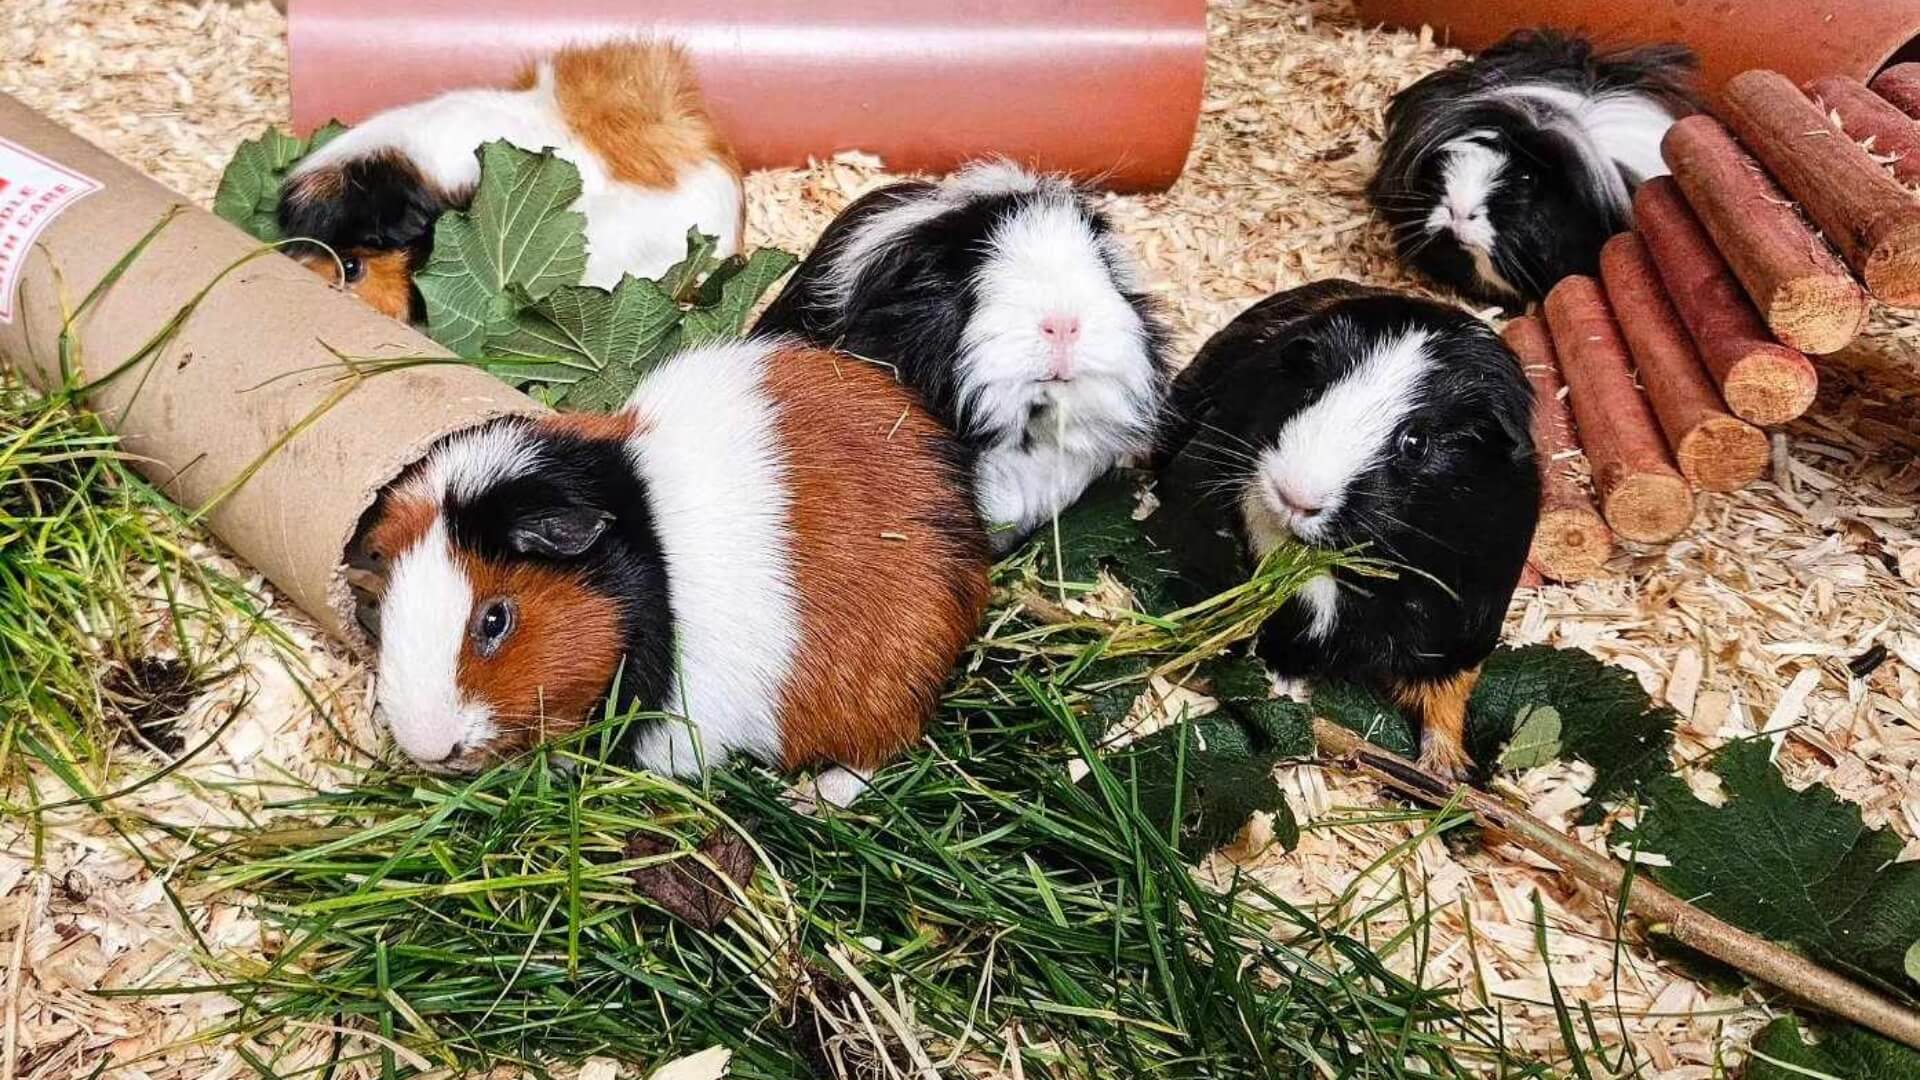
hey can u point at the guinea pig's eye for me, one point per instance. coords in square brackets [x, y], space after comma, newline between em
[1414, 445]
[492, 625]
[352, 268]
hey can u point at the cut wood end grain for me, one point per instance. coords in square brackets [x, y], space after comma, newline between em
[1723, 453]
[1649, 507]
[1571, 543]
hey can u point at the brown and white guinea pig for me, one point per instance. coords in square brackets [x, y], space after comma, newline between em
[1006, 299]
[627, 114]
[1340, 415]
[771, 544]
[1507, 171]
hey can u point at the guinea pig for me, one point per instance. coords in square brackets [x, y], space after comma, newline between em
[1507, 171]
[1006, 299]
[627, 114]
[772, 546]
[1340, 416]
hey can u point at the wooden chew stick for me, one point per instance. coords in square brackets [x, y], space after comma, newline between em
[1642, 495]
[1716, 450]
[1865, 212]
[1762, 381]
[1866, 115]
[1807, 296]
[1900, 85]
[1572, 542]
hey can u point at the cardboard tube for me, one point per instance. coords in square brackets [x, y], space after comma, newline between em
[1804, 39]
[248, 367]
[1108, 92]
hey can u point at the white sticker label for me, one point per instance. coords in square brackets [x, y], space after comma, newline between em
[33, 191]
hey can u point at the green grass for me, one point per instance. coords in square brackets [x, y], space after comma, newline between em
[978, 905]
[107, 620]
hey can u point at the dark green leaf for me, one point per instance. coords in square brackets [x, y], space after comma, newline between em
[1358, 708]
[249, 192]
[1280, 728]
[680, 278]
[596, 345]
[1792, 866]
[1606, 718]
[723, 310]
[1226, 780]
[518, 232]
[1844, 1052]
[1098, 531]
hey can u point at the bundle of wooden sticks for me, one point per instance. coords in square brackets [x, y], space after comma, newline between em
[1714, 301]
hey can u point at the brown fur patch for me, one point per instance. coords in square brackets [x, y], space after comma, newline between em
[386, 279]
[605, 427]
[316, 185]
[402, 521]
[888, 553]
[551, 671]
[637, 105]
[1442, 709]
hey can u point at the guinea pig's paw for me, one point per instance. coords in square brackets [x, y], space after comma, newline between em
[1445, 758]
[836, 787]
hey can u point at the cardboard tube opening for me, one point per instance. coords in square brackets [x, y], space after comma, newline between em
[249, 404]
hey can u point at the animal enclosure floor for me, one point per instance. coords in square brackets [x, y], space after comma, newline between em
[1745, 626]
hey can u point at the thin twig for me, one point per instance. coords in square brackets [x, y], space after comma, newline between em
[1685, 923]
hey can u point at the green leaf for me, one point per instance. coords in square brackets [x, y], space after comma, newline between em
[1797, 867]
[1098, 531]
[1282, 728]
[681, 278]
[1536, 738]
[729, 293]
[1844, 1052]
[592, 346]
[249, 192]
[1226, 780]
[1606, 718]
[518, 232]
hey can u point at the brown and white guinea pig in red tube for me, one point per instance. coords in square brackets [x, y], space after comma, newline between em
[774, 546]
[627, 114]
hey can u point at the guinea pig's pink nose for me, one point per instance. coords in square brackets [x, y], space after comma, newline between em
[1061, 332]
[1297, 503]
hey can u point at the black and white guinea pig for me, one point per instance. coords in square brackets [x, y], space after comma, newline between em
[773, 545]
[1340, 415]
[627, 114]
[1006, 299]
[1505, 172]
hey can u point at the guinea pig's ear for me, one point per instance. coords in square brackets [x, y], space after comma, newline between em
[559, 532]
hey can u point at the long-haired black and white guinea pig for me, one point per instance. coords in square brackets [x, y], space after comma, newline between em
[1507, 171]
[773, 544]
[627, 114]
[1006, 299]
[1342, 415]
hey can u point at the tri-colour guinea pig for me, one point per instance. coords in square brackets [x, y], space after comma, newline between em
[1007, 300]
[1344, 416]
[772, 545]
[1507, 171]
[627, 114]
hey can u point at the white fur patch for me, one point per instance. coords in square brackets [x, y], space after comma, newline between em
[630, 229]
[468, 464]
[1620, 129]
[1052, 438]
[1472, 174]
[709, 451]
[425, 612]
[1324, 448]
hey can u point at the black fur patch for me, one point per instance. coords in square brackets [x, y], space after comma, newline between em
[1461, 515]
[1550, 216]
[376, 203]
[911, 302]
[626, 563]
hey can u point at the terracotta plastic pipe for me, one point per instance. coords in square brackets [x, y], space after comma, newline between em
[1107, 91]
[1803, 39]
